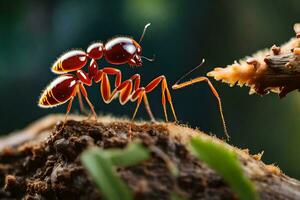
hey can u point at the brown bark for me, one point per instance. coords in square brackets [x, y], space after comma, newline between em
[284, 67]
[276, 69]
[41, 163]
[283, 73]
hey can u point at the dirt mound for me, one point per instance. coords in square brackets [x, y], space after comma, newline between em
[51, 167]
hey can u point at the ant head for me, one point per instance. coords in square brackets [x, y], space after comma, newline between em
[136, 59]
[121, 50]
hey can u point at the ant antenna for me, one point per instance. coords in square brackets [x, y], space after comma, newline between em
[144, 32]
[149, 59]
[188, 73]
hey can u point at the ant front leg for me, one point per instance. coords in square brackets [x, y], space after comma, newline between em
[214, 91]
[166, 95]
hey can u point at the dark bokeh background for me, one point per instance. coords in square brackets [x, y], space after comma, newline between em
[34, 33]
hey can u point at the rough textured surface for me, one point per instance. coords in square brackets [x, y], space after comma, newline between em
[276, 69]
[49, 167]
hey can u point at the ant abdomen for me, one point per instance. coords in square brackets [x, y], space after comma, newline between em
[59, 91]
[70, 61]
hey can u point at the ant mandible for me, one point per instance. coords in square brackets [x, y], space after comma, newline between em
[117, 51]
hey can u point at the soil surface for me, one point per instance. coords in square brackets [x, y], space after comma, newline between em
[51, 169]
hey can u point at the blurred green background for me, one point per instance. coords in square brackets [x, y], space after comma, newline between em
[34, 33]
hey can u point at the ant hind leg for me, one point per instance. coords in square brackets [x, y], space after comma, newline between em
[66, 116]
[84, 93]
[68, 109]
[166, 96]
[81, 105]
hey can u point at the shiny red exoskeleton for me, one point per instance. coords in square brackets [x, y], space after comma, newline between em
[120, 50]
[117, 51]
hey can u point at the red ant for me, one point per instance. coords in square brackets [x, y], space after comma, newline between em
[119, 50]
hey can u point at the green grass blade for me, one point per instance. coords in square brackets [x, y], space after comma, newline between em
[225, 162]
[134, 153]
[101, 169]
[175, 196]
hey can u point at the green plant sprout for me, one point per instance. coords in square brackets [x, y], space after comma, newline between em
[101, 163]
[175, 196]
[225, 162]
[101, 166]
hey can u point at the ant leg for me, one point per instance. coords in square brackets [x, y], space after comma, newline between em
[137, 96]
[114, 71]
[84, 93]
[163, 100]
[105, 89]
[68, 109]
[214, 91]
[124, 88]
[169, 97]
[70, 104]
[66, 117]
[67, 112]
[148, 109]
[85, 79]
[137, 79]
[165, 91]
[81, 105]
